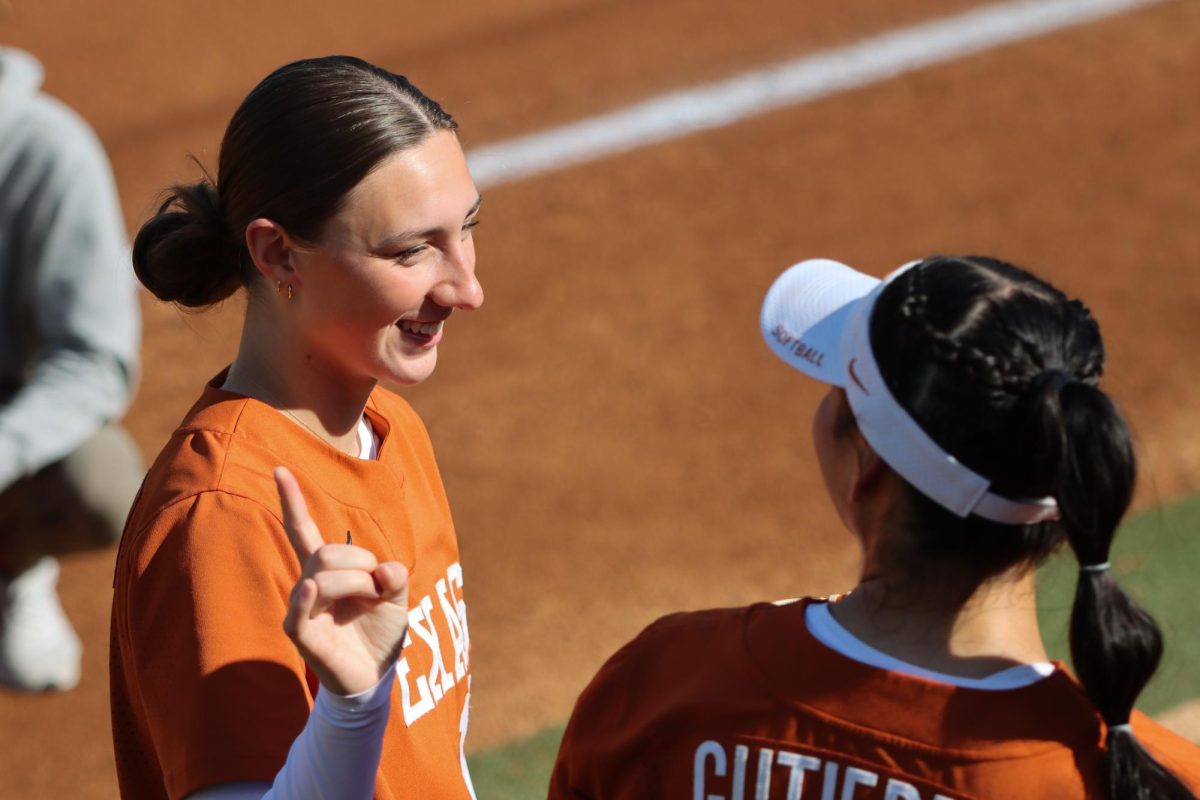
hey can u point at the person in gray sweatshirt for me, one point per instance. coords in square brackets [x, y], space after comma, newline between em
[69, 335]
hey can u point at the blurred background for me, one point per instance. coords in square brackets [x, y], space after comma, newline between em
[614, 436]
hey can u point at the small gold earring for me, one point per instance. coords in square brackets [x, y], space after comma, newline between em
[279, 286]
[289, 291]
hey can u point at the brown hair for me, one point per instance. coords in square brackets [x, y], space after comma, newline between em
[294, 149]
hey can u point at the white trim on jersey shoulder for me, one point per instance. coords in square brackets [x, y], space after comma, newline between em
[829, 632]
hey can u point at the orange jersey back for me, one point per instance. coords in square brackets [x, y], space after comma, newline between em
[206, 687]
[744, 704]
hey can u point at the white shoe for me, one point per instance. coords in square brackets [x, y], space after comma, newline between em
[39, 650]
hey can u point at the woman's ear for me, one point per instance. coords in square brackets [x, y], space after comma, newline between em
[272, 252]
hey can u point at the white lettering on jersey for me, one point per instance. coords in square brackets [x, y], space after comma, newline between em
[798, 765]
[454, 610]
[762, 786]
[829, 784]
[423, 624]
[900, 790]
[838, 781]
[413, 711]
[741, 754]
[857, 777]
[704, 752]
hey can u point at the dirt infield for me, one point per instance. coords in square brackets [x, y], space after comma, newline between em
[615, 439]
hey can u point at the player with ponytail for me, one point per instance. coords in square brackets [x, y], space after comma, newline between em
[963, 440]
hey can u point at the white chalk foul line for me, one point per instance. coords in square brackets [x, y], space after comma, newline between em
[715, 105]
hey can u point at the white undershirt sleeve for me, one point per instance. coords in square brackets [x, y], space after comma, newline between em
[335, 756]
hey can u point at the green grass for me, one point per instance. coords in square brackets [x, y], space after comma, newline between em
[517, 771]
[1156, 558]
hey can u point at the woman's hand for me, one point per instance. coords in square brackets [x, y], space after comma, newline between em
[348, 613]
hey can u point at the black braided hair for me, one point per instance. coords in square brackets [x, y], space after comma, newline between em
[1001, 369]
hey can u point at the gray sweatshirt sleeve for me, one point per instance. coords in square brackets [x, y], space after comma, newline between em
[69, 286]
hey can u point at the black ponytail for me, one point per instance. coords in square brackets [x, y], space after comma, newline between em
[1001, 370]
[1115, 644]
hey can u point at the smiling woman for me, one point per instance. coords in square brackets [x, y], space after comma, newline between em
[369, 304]
[344, 207]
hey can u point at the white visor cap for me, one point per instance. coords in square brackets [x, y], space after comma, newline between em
[816, 317]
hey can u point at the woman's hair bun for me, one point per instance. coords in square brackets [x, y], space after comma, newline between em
[184, 253]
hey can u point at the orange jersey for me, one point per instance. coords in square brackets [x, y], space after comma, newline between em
[206, 687]
[744, 704]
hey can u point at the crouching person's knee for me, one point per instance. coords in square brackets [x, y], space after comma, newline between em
[104, 475]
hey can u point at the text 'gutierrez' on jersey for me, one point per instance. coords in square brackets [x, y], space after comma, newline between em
[746, 704]
[763, 771]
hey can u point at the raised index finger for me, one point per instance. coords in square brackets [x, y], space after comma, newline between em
[301, 530]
